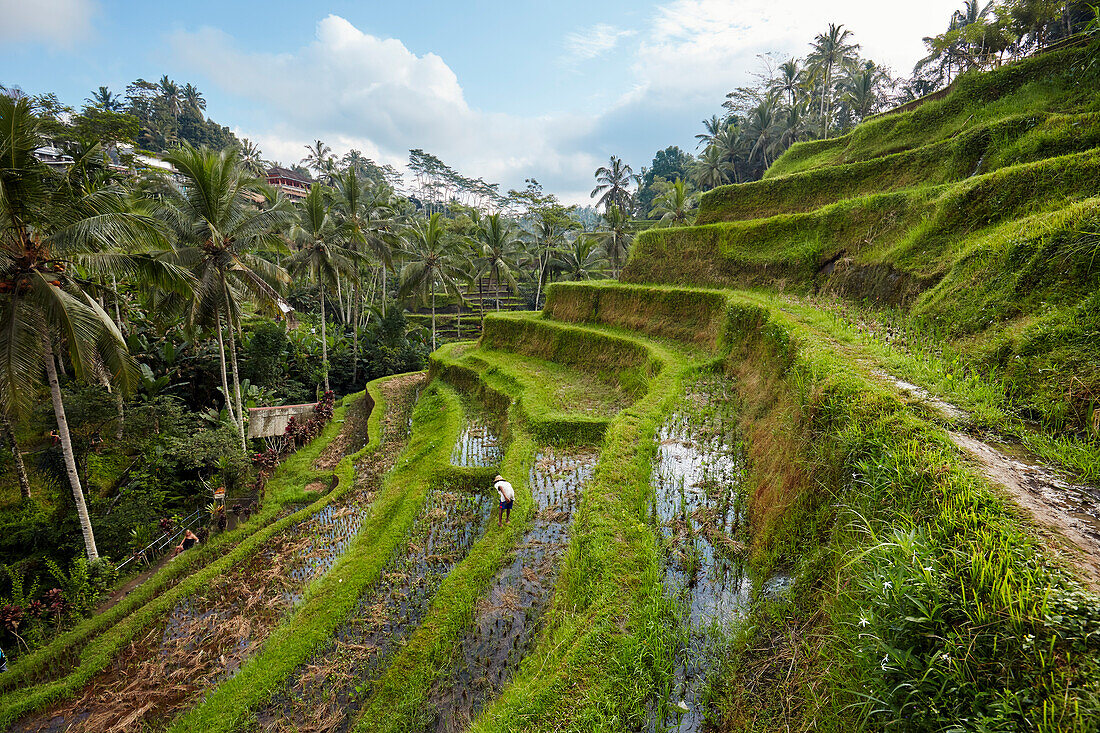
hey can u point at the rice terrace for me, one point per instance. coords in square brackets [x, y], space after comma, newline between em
[795, 427]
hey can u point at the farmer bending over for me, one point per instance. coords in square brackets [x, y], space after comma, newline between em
[190, 539]
[507, 496]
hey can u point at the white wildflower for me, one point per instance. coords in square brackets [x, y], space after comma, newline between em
[887, 585]
[683, 706]
[863, 621]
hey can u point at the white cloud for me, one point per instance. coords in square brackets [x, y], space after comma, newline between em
[52, 22]
[597, 40]
[352, 89]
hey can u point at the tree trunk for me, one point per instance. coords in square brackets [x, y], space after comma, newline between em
[496, 284]
[118, 311]
[67, 451]
[538, 285]
[355, 342]
[324, 340]
[339, 299]
[225, 379]
[433, 315]
[20, 468]
[237, 386]
[481, 301]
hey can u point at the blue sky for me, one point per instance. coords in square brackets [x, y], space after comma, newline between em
[501, 90]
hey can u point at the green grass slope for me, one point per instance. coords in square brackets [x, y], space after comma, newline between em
[1002, 265]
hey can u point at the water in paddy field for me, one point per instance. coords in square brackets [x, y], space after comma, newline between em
[326, 693]
[698, 506]
[507, 616]
[478, 445]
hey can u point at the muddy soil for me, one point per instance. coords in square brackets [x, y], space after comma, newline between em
[699, 506]
[207, 637]
[1067, 512]
[507, 617]
[326, 693]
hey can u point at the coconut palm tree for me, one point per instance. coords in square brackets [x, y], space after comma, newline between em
[219, 236]
[105, 100]
[712, 127]
[319, 157]
[582, 260]
[193, 98]
[170, 92]
[763, 129]
[830, 51]
[712, 169]
[428, 253]
[613, 184]
[252, 160]
[57, 243]
[674, 206]
[615, 238]
[861, 90]
[500, 251]
[788, 80]
[546, 236]
[318, 257]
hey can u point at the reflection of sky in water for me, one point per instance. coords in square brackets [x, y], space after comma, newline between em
[478, 445]
[697, 502]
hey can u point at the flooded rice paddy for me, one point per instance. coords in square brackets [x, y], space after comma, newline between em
[326, 693]
[699, 508]
[506, 618]
[479, 444]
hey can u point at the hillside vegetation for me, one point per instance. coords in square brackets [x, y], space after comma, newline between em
[975, 214]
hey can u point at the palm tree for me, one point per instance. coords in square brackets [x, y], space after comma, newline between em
[711, 169]
[789, 80]
[219, 234]
[319, 157]
[830, 50]
[56, 242]
[547, 235]
[674, 205]
[763, 129]
[428, 251]
[252, 160]
[582, 260]
[318, 257]
[193, 98]
[500, 251]
[731, 143]
[713, 126]
[105, 100]
[613, 184]
[615, 238]
[861, 90]
[170, 91]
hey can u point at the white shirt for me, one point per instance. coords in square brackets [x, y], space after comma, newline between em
[505, 490]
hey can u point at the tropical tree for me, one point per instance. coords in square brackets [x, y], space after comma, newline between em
[613, 184]
[428, 254]
[788, 81]
[500, 251]
[615, 238]
[674, 206]
[318, 257]
[105, 100]
[830, 51]
[58, 242]
[219, 236]
[319, 157]
[712, 169]
[252, 159]
[712, 127]
[193, 98]
[548, 234]
[170, 93]
[581, 260]
[763, 129]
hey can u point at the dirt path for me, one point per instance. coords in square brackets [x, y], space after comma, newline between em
[1066, 513]
[207, 637]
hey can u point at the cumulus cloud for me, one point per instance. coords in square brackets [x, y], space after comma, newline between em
[587, 44]
[52, 22]
[353, 89]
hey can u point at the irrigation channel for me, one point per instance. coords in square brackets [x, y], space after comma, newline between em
[208, 636]
[698, 504]
[507, 617]
[327, 692]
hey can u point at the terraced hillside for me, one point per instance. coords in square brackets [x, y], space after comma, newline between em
[976, 214]
[736, 509]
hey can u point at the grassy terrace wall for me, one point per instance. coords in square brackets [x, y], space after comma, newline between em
[425, 462]
[919, 599]
[985, 148]
[77, 656]
[1061, 81]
